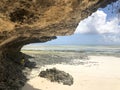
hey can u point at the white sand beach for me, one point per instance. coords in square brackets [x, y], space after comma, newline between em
[100, 73]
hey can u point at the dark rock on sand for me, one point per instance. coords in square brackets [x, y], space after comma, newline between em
[55, 75]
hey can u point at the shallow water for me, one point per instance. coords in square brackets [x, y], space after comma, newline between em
[90, 50]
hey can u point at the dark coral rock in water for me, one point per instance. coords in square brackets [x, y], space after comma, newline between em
[55, 75]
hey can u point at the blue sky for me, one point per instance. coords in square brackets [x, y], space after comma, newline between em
[101, 28]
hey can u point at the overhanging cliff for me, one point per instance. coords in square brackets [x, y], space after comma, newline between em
[38, 18]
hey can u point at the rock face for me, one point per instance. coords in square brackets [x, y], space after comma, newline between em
[55, 75]
[29, 21]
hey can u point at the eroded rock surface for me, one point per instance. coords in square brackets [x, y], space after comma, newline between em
[30, 21]
[55, 75]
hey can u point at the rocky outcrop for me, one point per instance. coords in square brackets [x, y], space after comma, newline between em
[29, 21]
[12, 63]
[55, 75]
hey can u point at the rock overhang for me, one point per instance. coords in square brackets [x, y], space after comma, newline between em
[29, 19]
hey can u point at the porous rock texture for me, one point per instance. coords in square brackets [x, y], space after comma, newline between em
[29, 21]
[55, 75]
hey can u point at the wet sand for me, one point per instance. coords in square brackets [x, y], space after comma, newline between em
[100, 73]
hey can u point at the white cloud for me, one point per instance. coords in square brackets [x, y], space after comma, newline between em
[97, 23]
[110, 38]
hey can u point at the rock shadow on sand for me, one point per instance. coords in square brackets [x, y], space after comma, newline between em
[29, 87]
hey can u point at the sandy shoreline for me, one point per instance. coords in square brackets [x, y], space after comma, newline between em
[102, 74]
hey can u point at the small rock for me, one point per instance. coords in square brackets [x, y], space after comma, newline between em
[55, 75]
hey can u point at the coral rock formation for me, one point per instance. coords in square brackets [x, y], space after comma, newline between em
[55, 75]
